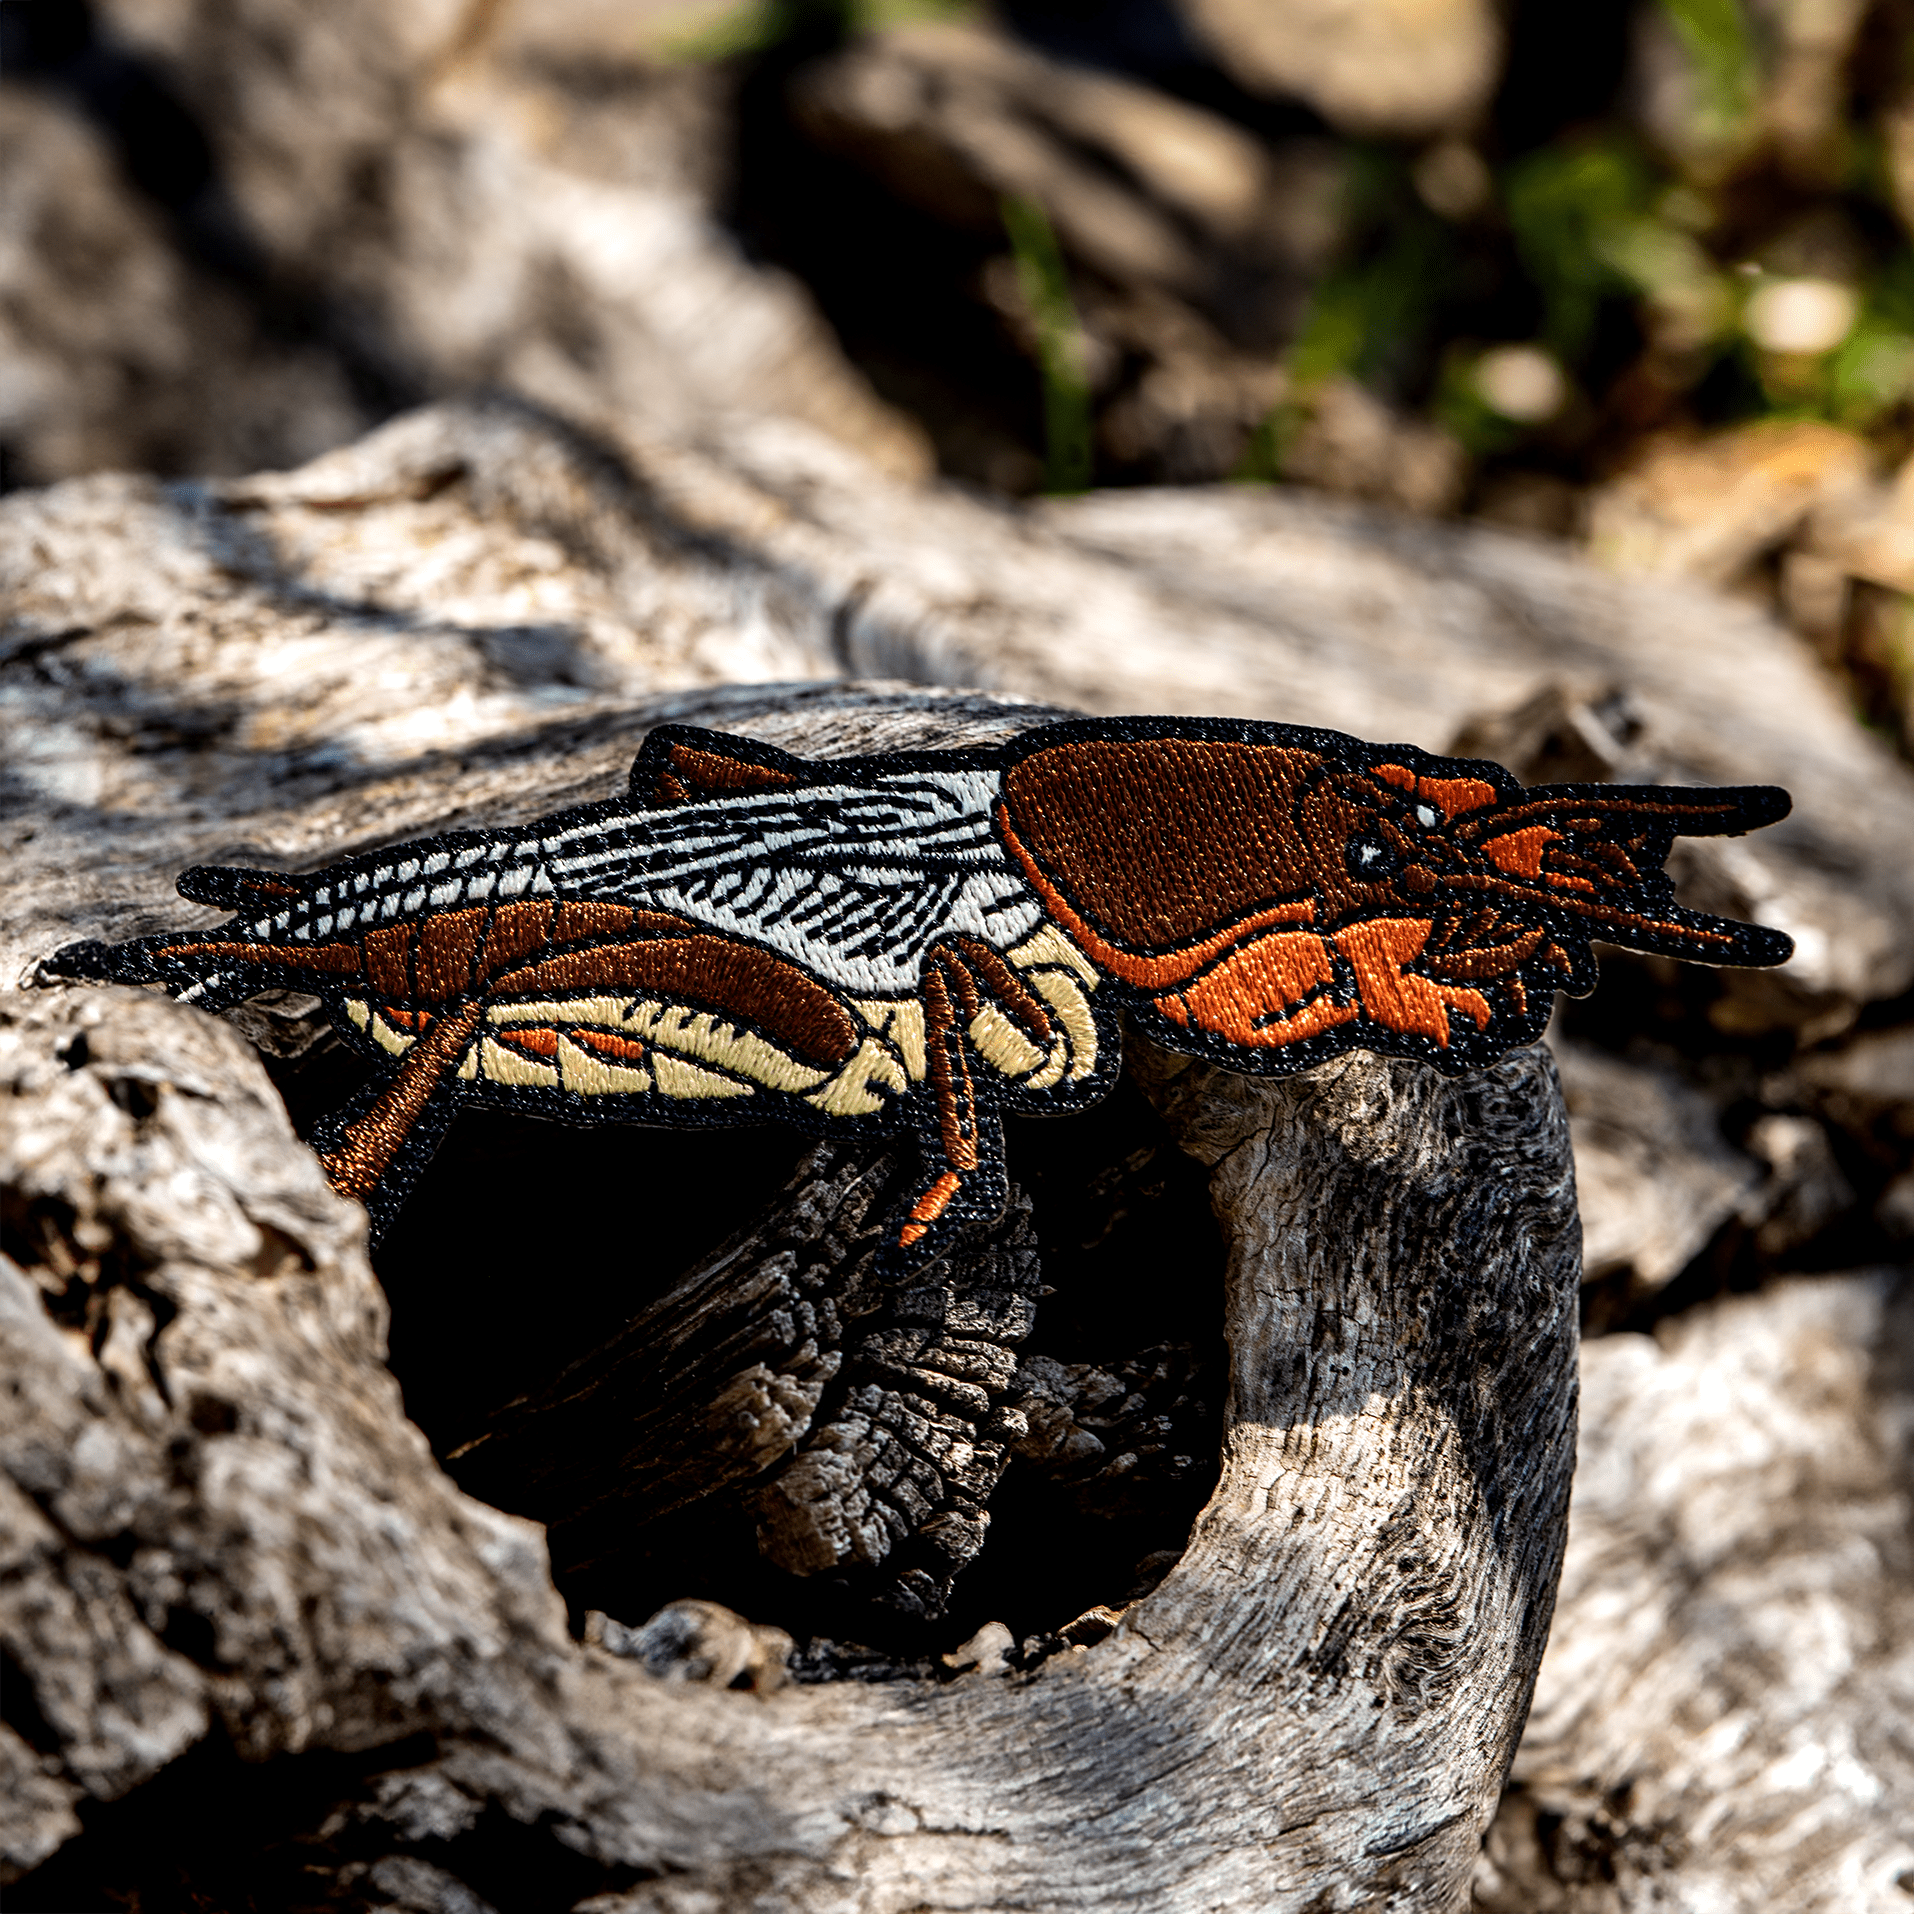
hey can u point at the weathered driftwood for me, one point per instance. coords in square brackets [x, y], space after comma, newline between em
[303, 664]
[1650, 1167]
[474, 619]
[855, 1435]
[1721, 1717]
[219, 1513]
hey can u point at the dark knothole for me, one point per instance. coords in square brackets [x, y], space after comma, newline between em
[667, 1347]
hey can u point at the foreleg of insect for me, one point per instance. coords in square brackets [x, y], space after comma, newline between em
[376, 1145]
[1467, 961]
[1380, 951]
[1050, 968]
[1009, 1025]
[960, 1133]
[1277, 990]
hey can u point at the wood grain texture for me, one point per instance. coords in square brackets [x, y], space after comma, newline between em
[1314, 1709]
[1721, 1719]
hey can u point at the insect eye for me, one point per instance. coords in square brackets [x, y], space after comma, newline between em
[1370, 858]
[1426, 816]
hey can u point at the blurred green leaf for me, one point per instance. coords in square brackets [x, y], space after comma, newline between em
[1382, 304]
[1871, 373]
[1568, 208]
[707, 30]
[1379, 308]
[1693, 301]
[1714, 34]
[1045, 281]
[1461, 410]
[874, 16]
[727, 32]
[1890, 298]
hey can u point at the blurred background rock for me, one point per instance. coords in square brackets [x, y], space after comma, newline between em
[1636, 272]
[1457, 256]
[1622, 292]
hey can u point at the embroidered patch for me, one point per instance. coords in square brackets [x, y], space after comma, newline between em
[926, 940]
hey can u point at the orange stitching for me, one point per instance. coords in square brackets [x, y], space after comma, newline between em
[386, 965]
[1007, 987]
[929, 1207]
[516, 931]
[1520, 852]
[576, 920]
[949, 1067]
[447, 945]
[539, 1042]
[602, 1040]
[1452, 796]
[1395, 997]
[339, 957]
[1237, 999]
